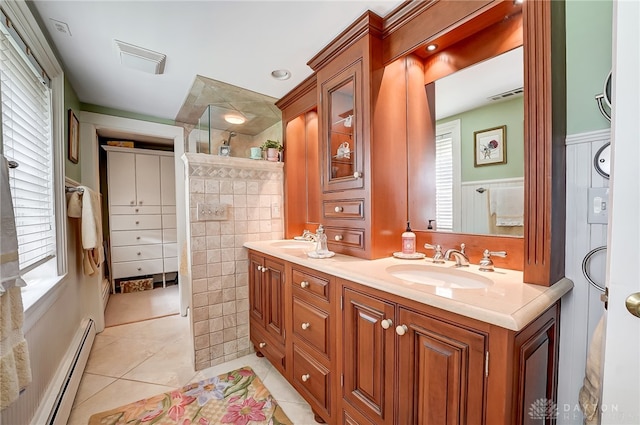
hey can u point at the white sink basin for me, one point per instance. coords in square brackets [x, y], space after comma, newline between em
[293, 244]
[438, 276]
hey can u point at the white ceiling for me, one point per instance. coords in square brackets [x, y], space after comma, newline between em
[235, 42]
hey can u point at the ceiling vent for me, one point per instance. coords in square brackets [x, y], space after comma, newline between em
[507, 94]
[140, 58]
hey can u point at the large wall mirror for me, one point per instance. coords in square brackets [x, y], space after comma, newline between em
[479, 148]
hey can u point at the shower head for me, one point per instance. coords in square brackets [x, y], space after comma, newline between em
[231, 134]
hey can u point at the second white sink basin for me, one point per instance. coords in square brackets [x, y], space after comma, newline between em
[293, 244]
[438, 276]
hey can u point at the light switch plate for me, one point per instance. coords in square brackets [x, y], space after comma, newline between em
[211, 211]
[598, 205]
[275, 210]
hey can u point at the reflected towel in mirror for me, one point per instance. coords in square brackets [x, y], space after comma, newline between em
[507, 203]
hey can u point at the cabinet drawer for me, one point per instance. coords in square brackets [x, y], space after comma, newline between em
[169, 221]
[352, 208]
[312, 377]
[133, 222]
[343, 236]
[135, 237]
[305, 283]
[135, 253]
[311, 325]
[133, 210]
[171, 264]
[136, 268]
[169, 235]
[273, 352]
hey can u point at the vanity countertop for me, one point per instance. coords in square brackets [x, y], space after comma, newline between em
[508, 302]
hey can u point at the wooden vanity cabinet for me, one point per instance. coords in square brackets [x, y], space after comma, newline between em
[409, 363]
[435, 370]
[313, 340]
[266, 308]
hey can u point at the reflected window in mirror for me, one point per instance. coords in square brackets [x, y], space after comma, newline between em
[470, 198]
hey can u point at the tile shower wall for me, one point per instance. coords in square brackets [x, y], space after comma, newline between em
[253, 194]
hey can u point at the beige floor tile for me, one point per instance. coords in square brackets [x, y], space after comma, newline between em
[121, 356]
[281, 389]
[171, 366]
[119, 393]
[260, 366]
[162, 329]
[299, 413]
[90, 385]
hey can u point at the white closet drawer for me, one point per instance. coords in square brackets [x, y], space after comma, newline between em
[135, 210]
[135, 237]
[137, 268]
[169, 235]
[170, 250]
[135, 253]
[168, 209]
[171, 264]
[168, 221]
[135, 222]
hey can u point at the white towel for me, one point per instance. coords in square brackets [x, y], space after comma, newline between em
[507, 203]
[9, 266]
[91, 231]
[15, 369]
[589, 397]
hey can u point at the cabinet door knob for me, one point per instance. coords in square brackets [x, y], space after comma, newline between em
[305, 326]
[338, 209]
[133, 202]
[259, 268]
[139, 268]
[137, 209]
[264, 269]
[386, 323]
[137, 222]
[262, 344]
[304, 284]
[357, 175]
[139, 253]
[401, 330]
[138, 238]
[338, 238]
[305, 377]
[139, 202]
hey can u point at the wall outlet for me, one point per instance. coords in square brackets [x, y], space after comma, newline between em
[211, 211]
[598, 205]
[275, 210]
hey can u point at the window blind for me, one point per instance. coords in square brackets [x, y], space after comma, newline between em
[27, 139]
[444, 182]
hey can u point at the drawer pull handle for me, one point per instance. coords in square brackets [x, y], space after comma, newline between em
[401, 330]
[133, 202]
[386, 323]
[357, 175]
[137, 209]
[338, 209]
[304, 284]
[338, 238]
[139, 268]
[137, 222]
[305, 326]
[305, 377]
[139, 202]
[139, 253]
[262, 344]
[137, 237]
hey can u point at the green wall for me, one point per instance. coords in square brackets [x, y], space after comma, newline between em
[509, 113]
[588, 25]
[124, 114]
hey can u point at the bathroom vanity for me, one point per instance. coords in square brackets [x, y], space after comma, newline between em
[365, 343]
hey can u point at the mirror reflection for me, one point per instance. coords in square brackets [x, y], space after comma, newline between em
[479, 148]
[341, 132]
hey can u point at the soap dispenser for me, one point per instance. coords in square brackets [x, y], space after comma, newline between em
[408, 241]
[321, 244]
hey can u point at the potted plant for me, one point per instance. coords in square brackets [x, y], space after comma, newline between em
[273, 147]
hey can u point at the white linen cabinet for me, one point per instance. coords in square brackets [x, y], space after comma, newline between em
[142, 216]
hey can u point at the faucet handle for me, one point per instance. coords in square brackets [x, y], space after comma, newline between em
[438, 258]
[486, 264]
[462, 245]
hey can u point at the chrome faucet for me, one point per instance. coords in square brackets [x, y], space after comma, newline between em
[460, 257]
[308, 236]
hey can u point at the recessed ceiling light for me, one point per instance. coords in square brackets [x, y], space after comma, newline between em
[432, 47]
[234, 119]
[281, 74]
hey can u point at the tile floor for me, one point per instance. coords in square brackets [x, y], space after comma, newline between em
[138, 360]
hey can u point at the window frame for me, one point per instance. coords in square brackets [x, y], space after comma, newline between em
[42, 279]
[453, 127]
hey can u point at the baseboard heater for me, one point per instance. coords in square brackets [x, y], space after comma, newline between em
[68, 382]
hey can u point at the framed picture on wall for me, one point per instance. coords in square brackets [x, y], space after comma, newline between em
[74, 137]
[490, 146]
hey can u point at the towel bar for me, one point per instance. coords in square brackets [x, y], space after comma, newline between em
[585, 265]
[74, 189]
[481, 190]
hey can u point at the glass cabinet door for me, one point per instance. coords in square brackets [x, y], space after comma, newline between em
[342, 151]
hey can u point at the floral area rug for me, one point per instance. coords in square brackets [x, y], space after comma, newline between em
[238, 397]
